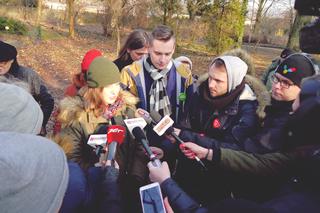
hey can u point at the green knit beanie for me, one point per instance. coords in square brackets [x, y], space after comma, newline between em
[102, 72]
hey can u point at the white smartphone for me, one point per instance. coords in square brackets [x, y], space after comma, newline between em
[151, 198]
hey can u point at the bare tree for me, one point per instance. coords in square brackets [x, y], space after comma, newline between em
[115, 10]
[168, 7]
[196, 7]
[263, 8]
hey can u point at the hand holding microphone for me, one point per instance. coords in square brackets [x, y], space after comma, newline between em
[192, 150]
[135, 126]
[159, 173]
[141, 137]
[164, 125]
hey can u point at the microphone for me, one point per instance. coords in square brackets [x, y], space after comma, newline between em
[141, 113]
[98, 139]
[141, 137]
[115, 135]
[164, 125]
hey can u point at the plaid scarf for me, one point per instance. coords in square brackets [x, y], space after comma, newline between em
[159, 100]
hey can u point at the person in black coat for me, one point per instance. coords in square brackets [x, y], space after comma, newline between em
[10, 68]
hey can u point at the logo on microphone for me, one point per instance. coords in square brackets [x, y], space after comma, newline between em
[163, 125]
[116, 133]
[115, 130]
[134, 122]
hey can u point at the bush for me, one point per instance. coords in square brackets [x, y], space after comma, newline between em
[12, 26]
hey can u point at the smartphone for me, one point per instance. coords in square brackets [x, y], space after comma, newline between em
[151, 198]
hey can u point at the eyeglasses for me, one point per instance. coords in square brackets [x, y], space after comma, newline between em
[283, 84]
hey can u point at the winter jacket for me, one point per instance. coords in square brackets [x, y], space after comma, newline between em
[95, 190]
[179, 86]
[78, 124]
[181, 202]
[270, 137]
[37, 88]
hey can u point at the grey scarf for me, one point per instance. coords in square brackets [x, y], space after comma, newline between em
[159, 100]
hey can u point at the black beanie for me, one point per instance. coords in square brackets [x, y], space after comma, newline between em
[296, 67]
[7, 52]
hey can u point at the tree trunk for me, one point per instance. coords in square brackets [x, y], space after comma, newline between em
[293, 37]
[244, 7]
[251, 21]
[39, 10]
[71, 16]
[165, 12]
[191, 10]
[118, 40]
[258, 16]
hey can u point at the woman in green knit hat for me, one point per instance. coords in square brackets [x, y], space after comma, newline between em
[102, 102]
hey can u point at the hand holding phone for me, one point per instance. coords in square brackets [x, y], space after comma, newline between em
[151, 198]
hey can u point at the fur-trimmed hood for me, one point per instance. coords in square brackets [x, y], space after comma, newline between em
[254, 85]
[72, 108]
[245, 57]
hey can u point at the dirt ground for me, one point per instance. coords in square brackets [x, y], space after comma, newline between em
[57, 59]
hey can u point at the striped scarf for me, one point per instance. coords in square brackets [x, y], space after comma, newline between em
[159, 100]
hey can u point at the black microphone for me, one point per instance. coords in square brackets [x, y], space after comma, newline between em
[170, 131]
[141, 137]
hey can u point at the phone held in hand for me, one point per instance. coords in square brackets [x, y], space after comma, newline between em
[151, 198]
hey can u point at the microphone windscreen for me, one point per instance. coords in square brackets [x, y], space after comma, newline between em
[141, 113]
[155, 116]
[138, 133]
[116, 133]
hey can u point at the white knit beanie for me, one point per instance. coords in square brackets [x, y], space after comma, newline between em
[19, 112]
[236, 70]
[34, 174]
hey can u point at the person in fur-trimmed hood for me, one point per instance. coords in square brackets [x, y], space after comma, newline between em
[99, 104]
[224, 107]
